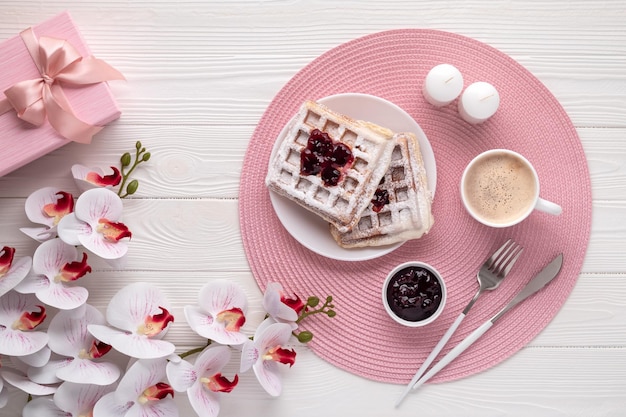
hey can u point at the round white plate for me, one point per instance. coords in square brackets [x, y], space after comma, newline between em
[311, 230]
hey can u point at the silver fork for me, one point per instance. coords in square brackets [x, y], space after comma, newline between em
[491, 274]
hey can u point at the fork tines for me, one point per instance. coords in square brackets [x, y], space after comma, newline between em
[501, 262]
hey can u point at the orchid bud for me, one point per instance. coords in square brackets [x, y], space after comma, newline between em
[132, 187]
[305, 336]
[146, 156]
[125, 159]
[138, 145]
[331, 313]
[312, 301]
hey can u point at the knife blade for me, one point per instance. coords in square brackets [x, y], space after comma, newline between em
[547, 274]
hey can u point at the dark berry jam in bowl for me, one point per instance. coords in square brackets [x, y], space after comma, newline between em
[414, 294]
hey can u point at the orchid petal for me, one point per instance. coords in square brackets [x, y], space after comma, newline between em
[274, 306]
[130, 306]
[165, 407]
[47, 374]
[84, 185]
[204, 402]
[174, 358]
[83, 371]
[32, 283]
[17, 365]
[103, 248]
[39, 234]
[25, 384]
[263, 326]
[98, 203]
[198, 320]
[36, 359]
[80, 172]
[142, 347]
[136, 346]
[268, 374]
[88, 178]
[42, 407]
[79, 398]
[109, 406]
[181, 375]
[212, 360]
[50, 257]
[249, 356]
[19, 343]
[204, 324]
[4, 396]
[104, 333]
[70, 228]
[35, 203]
[141, 375]
[68, 330]
[18, 271]
[273, 335]
[220, 295]
[63, 296]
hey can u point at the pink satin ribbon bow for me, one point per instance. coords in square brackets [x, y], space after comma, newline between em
[59, 63]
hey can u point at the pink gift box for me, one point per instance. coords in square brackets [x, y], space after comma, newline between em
[22, 142]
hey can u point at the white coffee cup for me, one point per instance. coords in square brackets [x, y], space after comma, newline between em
[500, 188]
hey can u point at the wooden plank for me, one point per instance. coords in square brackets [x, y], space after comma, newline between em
[538, 382]
[205, 161]
[229, 75]
[593, 316]
[183, 229]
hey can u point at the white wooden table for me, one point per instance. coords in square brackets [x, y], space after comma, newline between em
[200, 75]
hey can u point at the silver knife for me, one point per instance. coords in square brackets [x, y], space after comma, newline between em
[547, 274]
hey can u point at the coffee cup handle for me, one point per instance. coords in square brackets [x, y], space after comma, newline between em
[548, 207]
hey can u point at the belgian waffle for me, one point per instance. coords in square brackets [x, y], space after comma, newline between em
[407, 215]
[341, 204]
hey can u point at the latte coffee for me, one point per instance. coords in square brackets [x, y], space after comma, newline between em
[500, 188]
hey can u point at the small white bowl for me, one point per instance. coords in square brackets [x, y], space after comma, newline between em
[415, 283]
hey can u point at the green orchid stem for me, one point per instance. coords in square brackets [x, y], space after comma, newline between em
[325, 309]
[126, 175]
[194, 350]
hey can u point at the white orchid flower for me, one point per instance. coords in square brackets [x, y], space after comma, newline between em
[12, 272]
[81, 352]
[47, 206]
[203, 380]
[95, 224]
[141, 392]
[281, 308]
[265, 352]
[88, 178]
[220, 313]
[139, 316]
[20, 314]
[56, 267]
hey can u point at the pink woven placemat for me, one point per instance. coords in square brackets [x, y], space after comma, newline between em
[362, 339]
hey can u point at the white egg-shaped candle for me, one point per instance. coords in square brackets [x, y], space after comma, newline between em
[442, 85]
[479, 102]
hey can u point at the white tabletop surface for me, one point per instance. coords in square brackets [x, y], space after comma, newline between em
[200, 75]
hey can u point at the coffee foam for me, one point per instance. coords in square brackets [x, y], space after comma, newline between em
[500, 188]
